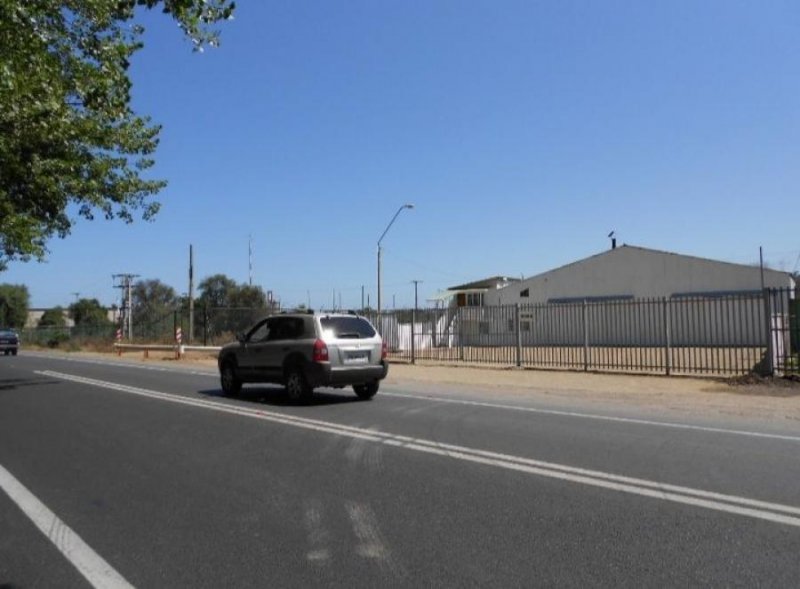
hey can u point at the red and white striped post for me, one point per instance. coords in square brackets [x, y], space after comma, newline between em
[178, 342]
[119, 340]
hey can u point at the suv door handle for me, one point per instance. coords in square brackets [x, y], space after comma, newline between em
[285, 349]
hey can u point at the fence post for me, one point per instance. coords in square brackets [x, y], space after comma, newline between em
[413, 323]
[518, 333]
[205, 323]
[585, 318]
[769, 365]
[460, 334]
[665, 311]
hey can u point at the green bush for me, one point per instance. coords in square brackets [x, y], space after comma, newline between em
[57, 339]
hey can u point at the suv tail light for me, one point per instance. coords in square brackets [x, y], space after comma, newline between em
[320, 353]
[384, 351]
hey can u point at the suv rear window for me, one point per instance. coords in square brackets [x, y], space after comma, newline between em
[347, 327]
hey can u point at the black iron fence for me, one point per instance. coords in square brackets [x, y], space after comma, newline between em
[720, 335]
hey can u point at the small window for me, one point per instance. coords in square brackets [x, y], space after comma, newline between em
[525, 293]
[475, 299]
[259, 333]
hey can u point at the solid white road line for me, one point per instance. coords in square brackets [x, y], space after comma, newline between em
[486, 404]
[717, 430]
[90, 564]
[767, 511]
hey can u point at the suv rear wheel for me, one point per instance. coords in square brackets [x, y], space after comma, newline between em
[366, 391]
[231, 385]
[297, 386]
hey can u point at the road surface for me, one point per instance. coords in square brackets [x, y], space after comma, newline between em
[118, 475]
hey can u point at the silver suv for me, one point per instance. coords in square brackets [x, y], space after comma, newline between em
[306, 350]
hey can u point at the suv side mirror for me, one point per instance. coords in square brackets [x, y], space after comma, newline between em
[240, 337]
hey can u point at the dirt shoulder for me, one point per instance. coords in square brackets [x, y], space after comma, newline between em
[771, 399]
[763, 399]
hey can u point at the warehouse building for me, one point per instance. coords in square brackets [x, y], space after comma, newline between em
[630, 272]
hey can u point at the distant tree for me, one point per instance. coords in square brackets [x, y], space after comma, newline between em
[89, 312]
[227, 307]
[53, 318]
[217, 291]
[252, 297]
[152, 299]
[70, 143]
[14, 302]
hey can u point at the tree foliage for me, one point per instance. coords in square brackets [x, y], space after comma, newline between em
[69, 140]
[89, 312]
[217, 291]
[53, 318]
[225, 306]
[14, 302]
[151, 300]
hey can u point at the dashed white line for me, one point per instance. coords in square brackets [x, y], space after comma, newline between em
[90, 564]
[767, 511]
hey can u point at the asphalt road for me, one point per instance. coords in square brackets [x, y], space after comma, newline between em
[122, 474]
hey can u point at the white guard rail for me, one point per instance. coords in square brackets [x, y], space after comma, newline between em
[178, 350]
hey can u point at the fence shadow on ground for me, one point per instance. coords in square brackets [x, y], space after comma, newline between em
[276, 396]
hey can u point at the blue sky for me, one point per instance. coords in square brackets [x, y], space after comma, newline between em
[522, 131]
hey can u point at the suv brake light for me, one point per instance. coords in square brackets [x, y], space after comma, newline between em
[320, 353]
[384, 351]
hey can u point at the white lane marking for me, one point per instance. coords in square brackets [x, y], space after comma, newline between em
[372, 544]
[318, 536]
[486, 404]
[366, 529]
[122, 364]
[90, 564]
[717, 430]
[717, 501]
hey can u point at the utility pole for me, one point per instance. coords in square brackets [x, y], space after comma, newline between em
[414, 323]
[76, 295]
[191, 294]
[416, 283]
[124, 282]
[250, 259]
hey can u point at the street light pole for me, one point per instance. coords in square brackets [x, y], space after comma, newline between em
[385, 231]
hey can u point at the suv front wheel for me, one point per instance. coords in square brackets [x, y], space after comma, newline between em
[231, 385]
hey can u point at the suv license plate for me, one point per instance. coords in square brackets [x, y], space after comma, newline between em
[357, 358]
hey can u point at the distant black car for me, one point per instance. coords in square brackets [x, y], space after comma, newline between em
[9, 342]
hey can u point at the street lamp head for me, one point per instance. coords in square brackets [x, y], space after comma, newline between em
[408, 205]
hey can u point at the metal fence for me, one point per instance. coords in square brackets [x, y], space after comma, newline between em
[721, 335]
[213, 326]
